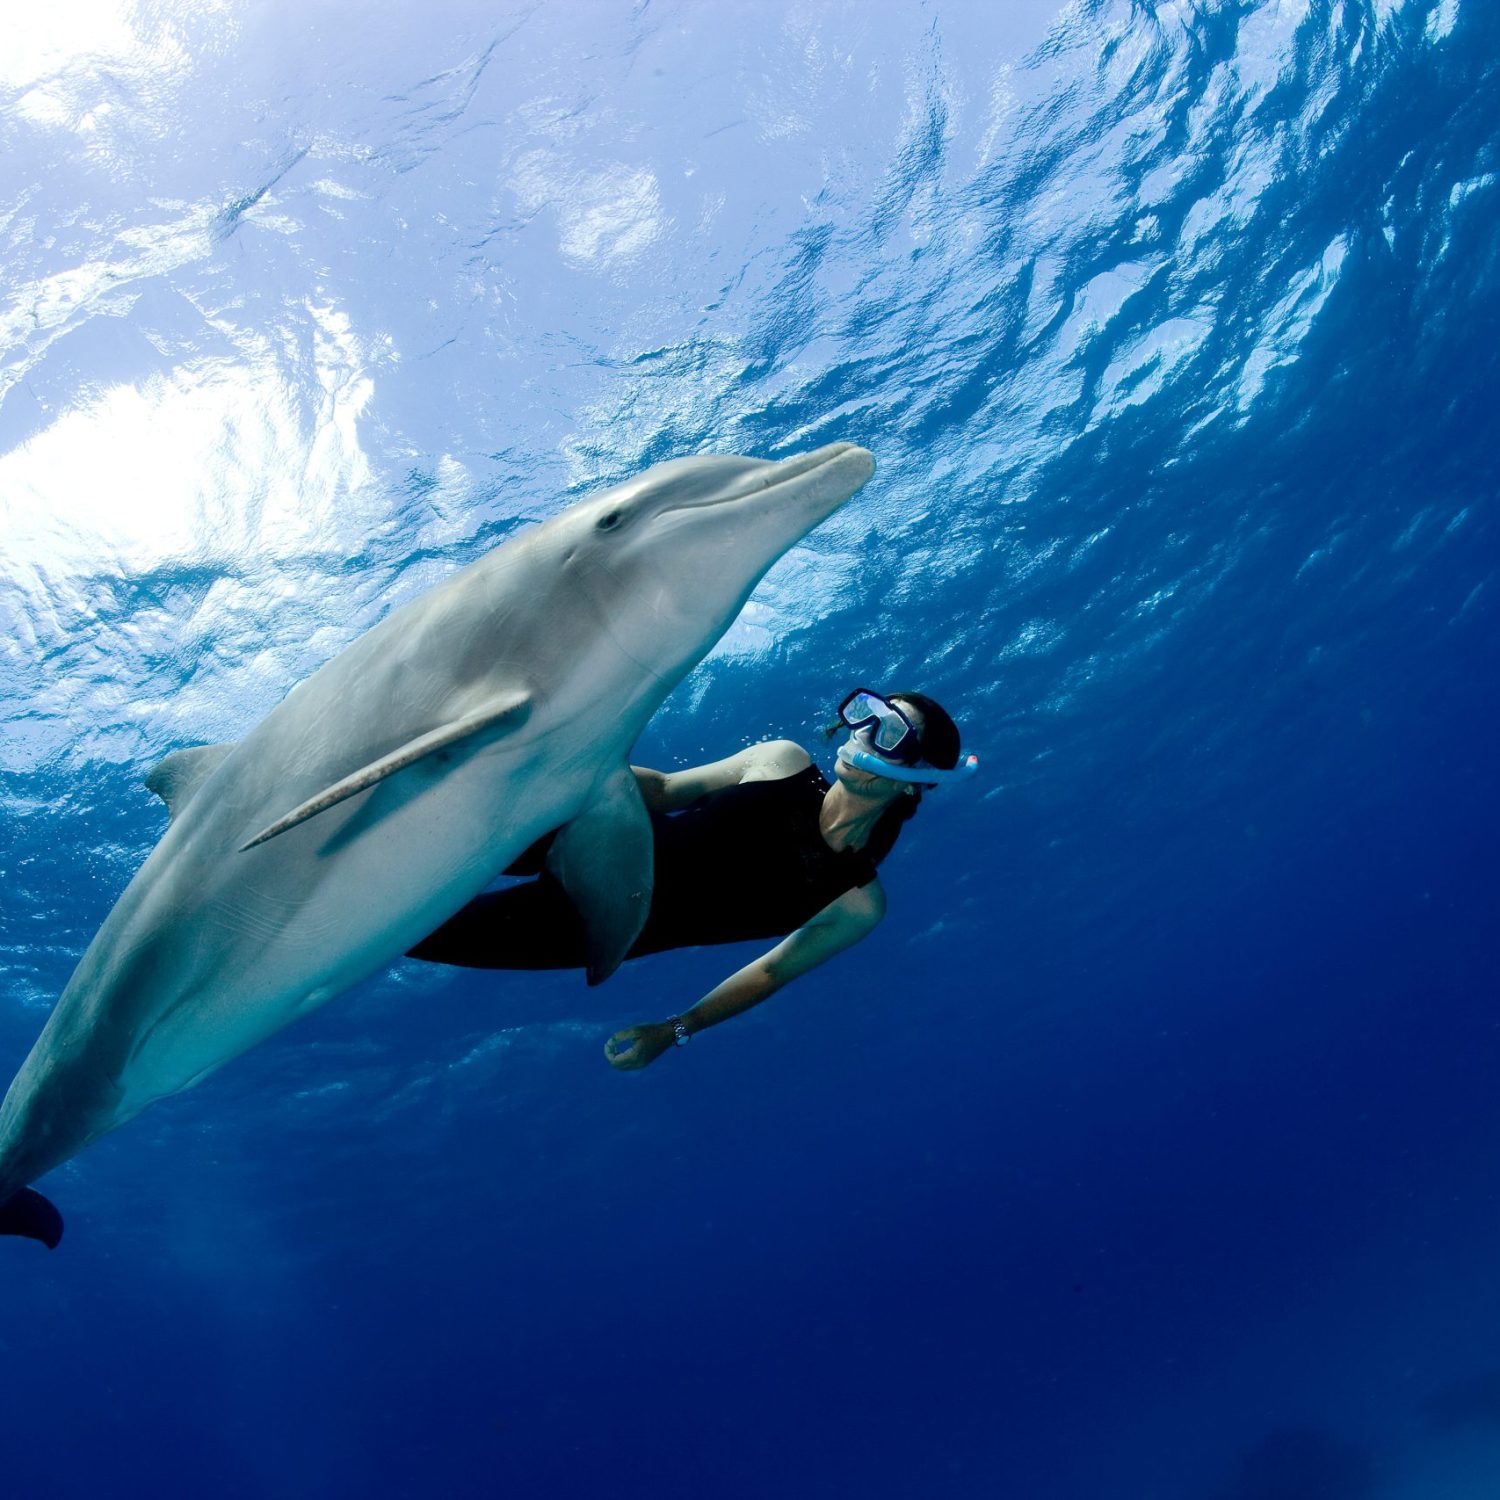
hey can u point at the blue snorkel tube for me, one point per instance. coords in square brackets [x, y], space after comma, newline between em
[878, 765]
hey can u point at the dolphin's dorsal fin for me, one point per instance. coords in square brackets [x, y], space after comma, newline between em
[604, 860]
[502, 715]
[177, 776]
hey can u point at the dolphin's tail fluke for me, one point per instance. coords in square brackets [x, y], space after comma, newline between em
[28, 1213]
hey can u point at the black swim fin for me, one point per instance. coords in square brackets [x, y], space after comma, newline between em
[29, 1214]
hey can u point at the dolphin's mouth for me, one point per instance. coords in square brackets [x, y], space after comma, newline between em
[832, 474]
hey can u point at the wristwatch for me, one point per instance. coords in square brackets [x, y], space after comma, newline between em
[681, 1036]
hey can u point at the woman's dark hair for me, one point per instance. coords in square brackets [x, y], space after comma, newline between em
[939, 737]
[940, 746]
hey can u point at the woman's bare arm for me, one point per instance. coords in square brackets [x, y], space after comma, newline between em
[840, 925]
[667, 791]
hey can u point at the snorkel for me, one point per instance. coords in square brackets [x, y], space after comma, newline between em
[878, 765]
[884, 740]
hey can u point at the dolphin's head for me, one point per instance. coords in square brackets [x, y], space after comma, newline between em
[664, 562]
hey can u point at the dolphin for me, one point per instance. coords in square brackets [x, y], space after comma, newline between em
[399, 780]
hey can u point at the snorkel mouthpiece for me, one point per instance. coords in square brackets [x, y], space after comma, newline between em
[865, 760]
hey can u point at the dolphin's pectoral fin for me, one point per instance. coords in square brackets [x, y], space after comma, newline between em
[176, 777]
[504, 715]
[603, 859]
[28, 1214]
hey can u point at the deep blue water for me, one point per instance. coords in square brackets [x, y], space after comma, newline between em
[1148, 1149]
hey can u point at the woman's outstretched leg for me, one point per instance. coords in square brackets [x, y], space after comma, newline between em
[530, 926]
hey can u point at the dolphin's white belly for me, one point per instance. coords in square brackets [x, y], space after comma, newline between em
[244, 944]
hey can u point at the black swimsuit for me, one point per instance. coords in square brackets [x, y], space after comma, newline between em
[747, 861]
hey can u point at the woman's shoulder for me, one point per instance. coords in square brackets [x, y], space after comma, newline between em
[774, 760]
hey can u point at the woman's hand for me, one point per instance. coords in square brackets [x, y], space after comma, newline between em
[638, 1046]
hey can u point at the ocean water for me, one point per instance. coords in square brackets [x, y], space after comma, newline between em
[1148, 1149]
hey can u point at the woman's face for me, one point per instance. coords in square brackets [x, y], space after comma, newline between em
[868, 782]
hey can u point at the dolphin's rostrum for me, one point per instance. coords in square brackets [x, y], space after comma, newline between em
[399, 780]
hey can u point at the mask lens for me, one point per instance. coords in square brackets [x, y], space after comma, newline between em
[889, 727]
[859, 709]
[890, 730]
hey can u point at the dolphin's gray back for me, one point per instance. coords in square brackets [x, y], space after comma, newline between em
[147, 1011]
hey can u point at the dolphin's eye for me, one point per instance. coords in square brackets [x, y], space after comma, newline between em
[610, 521]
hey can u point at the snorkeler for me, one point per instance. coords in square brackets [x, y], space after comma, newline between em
[755, 846]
